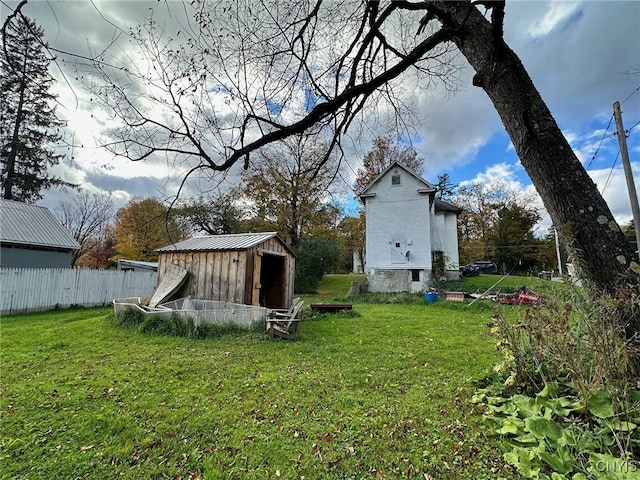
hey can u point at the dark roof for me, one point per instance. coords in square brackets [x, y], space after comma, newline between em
[25, 224]
[442, 206]
[232, 241]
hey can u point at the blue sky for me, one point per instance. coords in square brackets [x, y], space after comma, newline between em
[581, 55]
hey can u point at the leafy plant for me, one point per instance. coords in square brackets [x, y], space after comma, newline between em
[565, 399]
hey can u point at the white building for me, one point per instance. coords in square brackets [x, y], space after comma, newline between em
[411, 237]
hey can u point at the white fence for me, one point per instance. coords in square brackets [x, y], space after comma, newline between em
[25, 290]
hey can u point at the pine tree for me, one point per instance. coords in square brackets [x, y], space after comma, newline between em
[29, 128]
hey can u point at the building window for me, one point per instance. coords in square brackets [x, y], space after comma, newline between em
[395, 179]
[415, 275]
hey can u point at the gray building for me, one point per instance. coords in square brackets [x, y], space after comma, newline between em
[137, 266]
[32, 237]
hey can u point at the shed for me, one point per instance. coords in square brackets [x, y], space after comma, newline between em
[32, 237]
[246, 268]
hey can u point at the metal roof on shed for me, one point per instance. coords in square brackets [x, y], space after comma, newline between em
[25, 224]
[232, 241]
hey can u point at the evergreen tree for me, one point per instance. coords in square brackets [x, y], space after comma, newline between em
[29, 128]
[446, 188]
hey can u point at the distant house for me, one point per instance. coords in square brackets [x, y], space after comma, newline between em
[411, 237]
[32, 237]
[246, 268]
[137, 266]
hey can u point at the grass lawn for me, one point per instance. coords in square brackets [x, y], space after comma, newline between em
[382, 393]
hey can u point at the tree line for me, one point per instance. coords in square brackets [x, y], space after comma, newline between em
[291, 191]
[340, 86]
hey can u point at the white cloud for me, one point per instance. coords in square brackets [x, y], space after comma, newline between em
[556, 15]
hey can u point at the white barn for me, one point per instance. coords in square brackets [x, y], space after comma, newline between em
[411, 237]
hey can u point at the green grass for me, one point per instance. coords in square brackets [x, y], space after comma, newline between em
[383, 392]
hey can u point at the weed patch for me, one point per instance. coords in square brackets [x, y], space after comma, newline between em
[566, 399]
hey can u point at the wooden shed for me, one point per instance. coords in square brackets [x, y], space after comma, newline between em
[246, 268]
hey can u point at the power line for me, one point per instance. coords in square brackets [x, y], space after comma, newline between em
[610, 173]
[631, 95]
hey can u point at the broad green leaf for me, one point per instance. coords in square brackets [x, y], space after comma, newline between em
[523, 460]
[550, 390]
[561, 461]
[600, 404]
[620, 425]
[527, 406]
[510, 426]
[543, 428]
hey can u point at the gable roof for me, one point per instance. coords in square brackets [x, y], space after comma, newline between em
[25, 224]
[428, 187]
[231, 241]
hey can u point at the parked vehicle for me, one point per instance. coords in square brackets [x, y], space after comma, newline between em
[469, 271]
[485, 266]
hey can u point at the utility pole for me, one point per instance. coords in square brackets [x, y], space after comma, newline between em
[624, 153]
[555, 231]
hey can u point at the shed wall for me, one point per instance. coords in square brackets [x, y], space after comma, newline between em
[15, 257]
[229, 275]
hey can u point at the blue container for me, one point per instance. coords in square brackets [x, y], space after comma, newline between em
[431, 297]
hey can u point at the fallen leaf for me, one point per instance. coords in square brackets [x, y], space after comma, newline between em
[327, 437]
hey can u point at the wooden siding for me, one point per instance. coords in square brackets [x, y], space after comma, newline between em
[230, 275]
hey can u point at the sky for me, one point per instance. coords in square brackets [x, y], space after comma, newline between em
[582, 56]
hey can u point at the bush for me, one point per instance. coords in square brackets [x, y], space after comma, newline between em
[315, 258]
[566, 397]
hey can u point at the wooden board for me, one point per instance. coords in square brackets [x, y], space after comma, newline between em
[171, 282]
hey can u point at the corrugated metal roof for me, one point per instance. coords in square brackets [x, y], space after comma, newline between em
[232, 241]
[25, 224]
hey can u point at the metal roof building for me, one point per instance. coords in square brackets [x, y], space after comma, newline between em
[32, 237]
[247, 268]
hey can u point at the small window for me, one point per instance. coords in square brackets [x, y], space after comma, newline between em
[415, 275]
[397, 244]
[395, 179]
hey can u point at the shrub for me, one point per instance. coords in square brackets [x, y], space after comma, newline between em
[565, 399]
[315, 258]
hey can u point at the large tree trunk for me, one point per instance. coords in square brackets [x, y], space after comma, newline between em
[585, 223]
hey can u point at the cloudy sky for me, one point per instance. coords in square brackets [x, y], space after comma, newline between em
[582, 56]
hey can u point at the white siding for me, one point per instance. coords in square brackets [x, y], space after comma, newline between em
[39, 289]
[398, 210]
[444, 237]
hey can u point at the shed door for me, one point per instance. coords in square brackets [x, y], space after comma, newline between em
[398, 249]
[272, 281]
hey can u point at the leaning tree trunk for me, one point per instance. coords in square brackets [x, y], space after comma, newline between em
[587, 227]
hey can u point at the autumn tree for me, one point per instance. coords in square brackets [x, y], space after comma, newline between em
[30, 131]
[100, 252]
[259, 72]
[352, 240]
[211, 215]
[290, 188]
[142, 226]
[513, 239]
[87, 217]
[490, 214]
[382, 154]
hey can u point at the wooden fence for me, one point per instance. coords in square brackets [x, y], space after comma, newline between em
[25, 290]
